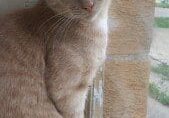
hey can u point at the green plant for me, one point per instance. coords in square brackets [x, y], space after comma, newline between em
[162, 69]
[156, 93]
[162, 5]
[154, 90]
[161, 22]
[164, 78]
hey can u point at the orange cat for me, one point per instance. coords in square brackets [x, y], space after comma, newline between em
[49, 55]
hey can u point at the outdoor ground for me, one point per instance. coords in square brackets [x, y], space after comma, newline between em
[157, 110]
[161, 12]
[158, 103]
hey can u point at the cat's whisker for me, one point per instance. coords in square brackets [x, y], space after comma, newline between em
[68, 25]
[55, 24]
[60, 28]
[59, 22]
[48, 32]
[58, 25]
[51, 18]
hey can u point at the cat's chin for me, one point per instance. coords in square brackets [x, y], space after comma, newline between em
[84, 18]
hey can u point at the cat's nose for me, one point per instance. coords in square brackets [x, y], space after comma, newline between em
[88, 5]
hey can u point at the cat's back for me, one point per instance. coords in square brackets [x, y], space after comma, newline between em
[8, 39]
[16, 44]
[21, 72]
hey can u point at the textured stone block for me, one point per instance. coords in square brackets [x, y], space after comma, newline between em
[130, 26]
[125, 90]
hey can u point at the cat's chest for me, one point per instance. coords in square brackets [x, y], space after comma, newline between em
[102, 25]
[95, 51]
[89, 42]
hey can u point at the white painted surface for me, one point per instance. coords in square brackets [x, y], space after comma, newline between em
[9, 5]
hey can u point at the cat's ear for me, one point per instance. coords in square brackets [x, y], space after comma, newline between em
[88, 5]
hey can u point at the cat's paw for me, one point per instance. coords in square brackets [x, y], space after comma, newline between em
[77, 115]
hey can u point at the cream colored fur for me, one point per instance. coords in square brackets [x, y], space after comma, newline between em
[47, 60]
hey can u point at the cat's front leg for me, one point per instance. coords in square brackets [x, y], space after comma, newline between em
[70, 102]
[67, 89]
[73, 106]
[68, 76]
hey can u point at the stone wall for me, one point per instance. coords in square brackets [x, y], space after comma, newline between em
[127, 66]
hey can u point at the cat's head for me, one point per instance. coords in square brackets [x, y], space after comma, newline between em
[86, 9]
